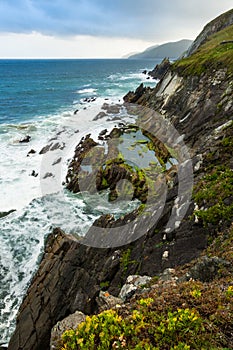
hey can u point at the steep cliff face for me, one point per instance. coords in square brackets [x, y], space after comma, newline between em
[199, 104]
[219, 23]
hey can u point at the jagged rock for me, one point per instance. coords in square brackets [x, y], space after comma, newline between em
[65, 282]
[32, 151]
[200, 108]
[52, 147]
[103, 132]
[206, 269]
[48, 175]
[115, 133]
[100, 115]
[111, 108]
[70, 322]
[107, 301]
[25, 139]
[160, 69]
[57, 161]
[5, 213]
[133, 284]
[34, 173]
[81, 151]
[132, 97]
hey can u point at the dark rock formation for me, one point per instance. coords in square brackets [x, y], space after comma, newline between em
[71, 274]
[5, 213]
[25, 139]
[52, 147]
[34, 173]
[82, 150]
[111, 108]
[100, 115]
[32, 151]
[195, 105]
[160, 69]
[132, 97]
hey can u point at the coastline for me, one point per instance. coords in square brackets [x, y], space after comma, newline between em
[34, 218]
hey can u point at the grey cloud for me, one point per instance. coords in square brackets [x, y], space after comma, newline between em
[145, 19]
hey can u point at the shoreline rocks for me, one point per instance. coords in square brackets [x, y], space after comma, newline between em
[71, 275]
[160, 69]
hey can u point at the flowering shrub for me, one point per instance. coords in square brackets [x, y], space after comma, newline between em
[143, 329]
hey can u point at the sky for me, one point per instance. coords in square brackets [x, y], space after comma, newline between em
[99, 28]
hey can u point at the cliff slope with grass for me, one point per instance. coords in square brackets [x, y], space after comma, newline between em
[188, 304]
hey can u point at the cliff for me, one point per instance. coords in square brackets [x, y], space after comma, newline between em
[195, 95]
[219, 23]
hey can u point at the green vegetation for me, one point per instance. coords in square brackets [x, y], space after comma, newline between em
[187, 315]
[211, 55]
[143, 329]
[157, 322]
[104, 285]
[126, 261]
[212, 194]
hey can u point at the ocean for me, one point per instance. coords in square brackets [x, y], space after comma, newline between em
[53, 102]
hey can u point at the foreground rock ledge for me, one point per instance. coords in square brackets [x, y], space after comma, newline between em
[70, 275]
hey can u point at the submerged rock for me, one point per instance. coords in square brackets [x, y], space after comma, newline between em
[25, 139]
[5, 213]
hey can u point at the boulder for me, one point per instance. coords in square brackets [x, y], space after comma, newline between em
[25, 139]
[133, 284]
[70, 322]
[5, 213]
[32, 151]
[107, 301]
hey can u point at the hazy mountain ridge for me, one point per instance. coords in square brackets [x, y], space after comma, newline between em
[171, 50]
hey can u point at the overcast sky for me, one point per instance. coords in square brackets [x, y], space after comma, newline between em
[99, 28]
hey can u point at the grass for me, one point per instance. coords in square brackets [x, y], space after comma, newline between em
[211, 55]
[186, 315]
[213, 194]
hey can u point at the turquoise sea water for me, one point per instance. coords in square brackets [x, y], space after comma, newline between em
[38, 98]
[32, 88]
